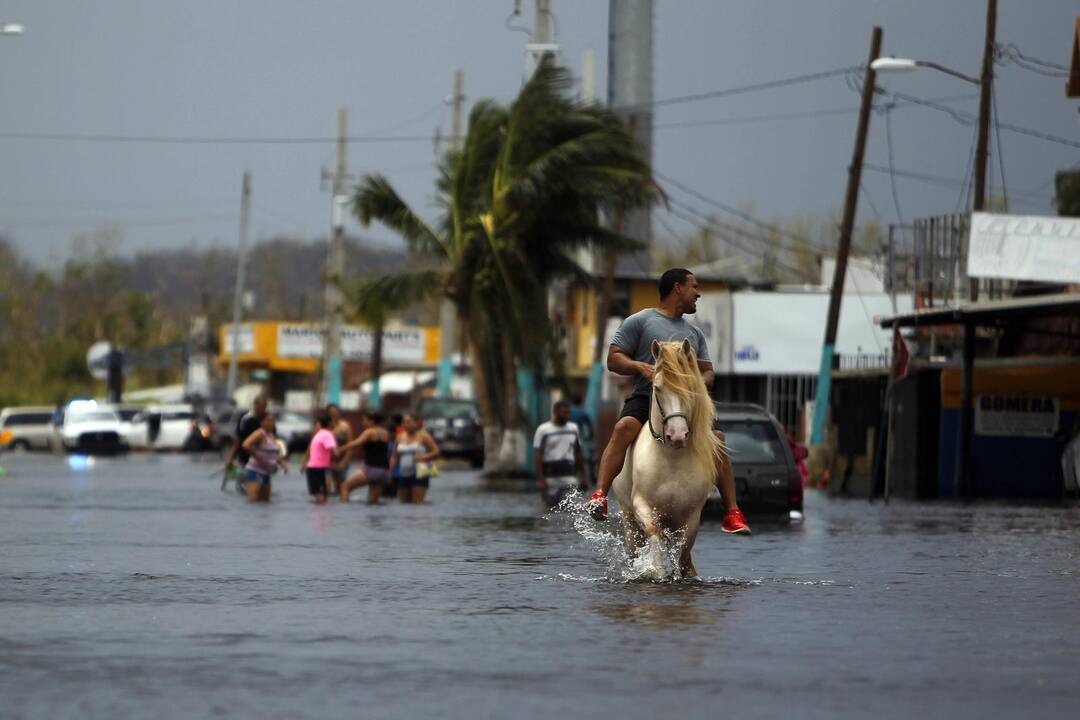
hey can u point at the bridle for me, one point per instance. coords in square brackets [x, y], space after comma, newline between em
[659, 437]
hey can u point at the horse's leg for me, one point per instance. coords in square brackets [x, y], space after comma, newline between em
[633, 535]
[686, 560]
[650, 527]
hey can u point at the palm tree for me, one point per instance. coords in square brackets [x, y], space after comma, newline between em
[518, 199]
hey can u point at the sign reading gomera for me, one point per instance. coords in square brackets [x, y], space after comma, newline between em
[306, 342]
[1024, 247]
[1017, 415]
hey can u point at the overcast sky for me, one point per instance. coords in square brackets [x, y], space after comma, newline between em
[281, 68]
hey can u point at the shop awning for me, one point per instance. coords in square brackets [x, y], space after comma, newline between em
[986, 312]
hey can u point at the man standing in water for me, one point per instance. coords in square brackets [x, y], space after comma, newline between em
[630, 354]
[249, 422]
[560, 464]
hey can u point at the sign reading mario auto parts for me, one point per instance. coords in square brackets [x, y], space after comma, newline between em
[306, 341]
[1017, 415]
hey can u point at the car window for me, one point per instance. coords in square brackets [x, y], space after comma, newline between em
[91, 416]
[447, 408]
[752, 442]
[28, 419]
[128, 414]
[292, 418]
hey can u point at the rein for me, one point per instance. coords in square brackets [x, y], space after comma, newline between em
[664, 419]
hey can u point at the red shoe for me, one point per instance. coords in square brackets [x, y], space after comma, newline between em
[735, 522]
[597, 505]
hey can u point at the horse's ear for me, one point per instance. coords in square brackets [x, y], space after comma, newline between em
[656, 349]
[687, 349]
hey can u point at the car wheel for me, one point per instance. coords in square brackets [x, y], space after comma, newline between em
[20, 446]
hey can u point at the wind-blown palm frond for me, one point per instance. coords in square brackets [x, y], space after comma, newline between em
[376, 199]
[375, 299]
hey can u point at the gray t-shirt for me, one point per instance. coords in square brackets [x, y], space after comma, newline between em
[637, 332]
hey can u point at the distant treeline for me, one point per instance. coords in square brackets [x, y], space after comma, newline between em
[49, 319]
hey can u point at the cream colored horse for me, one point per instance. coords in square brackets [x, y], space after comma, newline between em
[672, 465]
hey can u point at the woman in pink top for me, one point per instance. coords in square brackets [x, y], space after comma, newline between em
[319, 458]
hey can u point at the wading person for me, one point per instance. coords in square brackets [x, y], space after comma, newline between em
[343, 433]
[630, 354]
[248, 423]
[560, 464]
[265, 456]
[414, 451]
[318, 462]
[373, 442]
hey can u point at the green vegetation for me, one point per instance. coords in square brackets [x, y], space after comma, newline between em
[519, 198]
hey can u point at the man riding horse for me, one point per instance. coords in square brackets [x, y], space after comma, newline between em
[630, 354]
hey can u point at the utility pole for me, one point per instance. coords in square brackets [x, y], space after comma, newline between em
[824, 386]
[541, 44]
[982, 151]
[238, 291]
[447, 311]
[967, 378]
[335, 266]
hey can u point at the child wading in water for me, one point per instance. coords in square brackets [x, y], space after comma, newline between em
[318, 460]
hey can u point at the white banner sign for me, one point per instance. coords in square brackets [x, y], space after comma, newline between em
[1024, 247]
[713, 316]
[404, 345]
[780, 333]
[1017, 415]
[245, 340]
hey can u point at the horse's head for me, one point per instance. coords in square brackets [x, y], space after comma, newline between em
[676, 388]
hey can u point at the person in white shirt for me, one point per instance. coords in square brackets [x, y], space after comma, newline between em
[560, 464]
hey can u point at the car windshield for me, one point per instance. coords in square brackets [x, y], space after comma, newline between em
[447, 409]
[128, 414]
[91, 416]
[752, 442]
[292, 418]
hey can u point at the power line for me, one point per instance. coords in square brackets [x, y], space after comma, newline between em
[892, 172]
[1000, 154]
[744, 89]
[1011, 53]
[824, 112]
[697, 219]
[733, 211]
[208, 140]
[968, 119]
[940, 180]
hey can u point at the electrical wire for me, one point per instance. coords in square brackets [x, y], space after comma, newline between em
[892, 170]
[208, 140]
[1010, 53]
[743, 89]
[940, 181]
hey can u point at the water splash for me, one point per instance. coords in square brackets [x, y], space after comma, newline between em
[657, 562]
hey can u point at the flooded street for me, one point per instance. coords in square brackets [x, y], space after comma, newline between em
[135, 588]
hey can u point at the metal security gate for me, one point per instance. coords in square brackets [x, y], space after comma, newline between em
[785, 396]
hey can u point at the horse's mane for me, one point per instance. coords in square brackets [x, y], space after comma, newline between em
[678, 373]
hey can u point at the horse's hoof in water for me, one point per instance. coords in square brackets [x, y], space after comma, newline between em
[597, 506]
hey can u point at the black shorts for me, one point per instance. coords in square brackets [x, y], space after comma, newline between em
[316, 480]
[637, 407]
[411, 481]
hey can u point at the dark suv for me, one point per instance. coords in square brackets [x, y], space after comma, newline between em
[455, 426]
[767, 480]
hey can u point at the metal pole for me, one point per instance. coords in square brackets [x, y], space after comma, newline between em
[963, 441]
[542, 22]
[447, 311]
[982, 151]
[821, 403]
[238, 291]
[334, 269]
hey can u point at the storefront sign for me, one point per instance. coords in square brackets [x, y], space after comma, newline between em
[1024, 247]
[245, 340]
[1017, 415]
[404, 345]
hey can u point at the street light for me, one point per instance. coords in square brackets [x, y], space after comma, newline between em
[895, 64]
[12, 29]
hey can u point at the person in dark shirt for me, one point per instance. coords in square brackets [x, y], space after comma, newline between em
[249, 422]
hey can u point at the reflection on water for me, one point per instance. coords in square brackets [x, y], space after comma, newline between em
[134, 587]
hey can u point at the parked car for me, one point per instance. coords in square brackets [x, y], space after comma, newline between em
[294, 428]
[455, 425]
[31, 427]
[171, 427]
[767, 479]
[87, 427]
